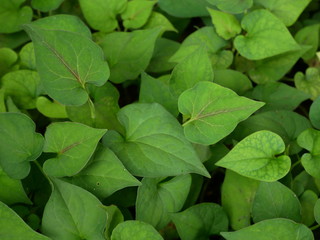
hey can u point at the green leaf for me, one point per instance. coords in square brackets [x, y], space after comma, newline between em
[101, 15]
[158, 20]
[232, 6]
[314, 113]
[46, 5]
[222, 59]
[115, 217]
[27, 57]
[274, 200]
[193, 69]
[154, 144]
[104, 174]
[135, 230]
[13, 40]
[74, 144]
[19, 144]
[200, 221]
[67, 59]
[184, 8]
[137, 13]
[307, 36]
[308, 200]
[308, 83]
[73, 213]
[157, 198]
[2, 102]
[286, 10]
[129, 53]
[13, 227]
[50, 109]
[8, 196]
[237, 195]
[227, 25]
[23, 86]
[272, 229]
[13, 15]
[258, 157]
[213, 112]
[8, 58]
[266, 36]
[317, 211]
[309, 140]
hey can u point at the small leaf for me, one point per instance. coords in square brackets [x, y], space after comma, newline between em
[135, 230]
[50, 109]
[308, 83]
[73, 213]
[46, 5]
[272, 229]
[115, 217]
[214, 112]
[266, 36]
[8, 58]
[200, 221]
[314, 113]
[158, 20]
[232, 6]
[257, 157]
[13, 227]
[317, 211]
[19, 144]
[27, 57]
[308, 200]
[306, 36]
[74, 144]
[184, 8]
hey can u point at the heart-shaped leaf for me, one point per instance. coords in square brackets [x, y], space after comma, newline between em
[213, 112]
[257, 157]
[309, 82]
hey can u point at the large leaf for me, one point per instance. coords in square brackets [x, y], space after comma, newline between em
[73, 213]
[158, 198]
[272, 229]
[232, 6]
[46, 5]
[19, 144]
[154, 144]
[67, 59]
[184, 8]
[258, 157]
[213, 112]
[200, 221]
[308, 82]
[13, 227]
[266, 36]
[74, 144]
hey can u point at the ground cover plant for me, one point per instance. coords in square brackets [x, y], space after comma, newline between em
[146, 119]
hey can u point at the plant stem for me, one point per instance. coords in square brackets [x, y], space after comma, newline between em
[295, 164]
[314, 227]
[92, 109]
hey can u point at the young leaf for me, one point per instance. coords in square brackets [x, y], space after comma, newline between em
[135, 230]
[274, 200]
[266, 36]
[307, 36]
[232, 6]
[184, 8]
[314, 113]
[73, 213]
[115, 217]
[8, 58]
[272, 229]
[13, 227]
[46, 5]
[200, 221]
[257, 157]
[157, 198]
[19, 144]
[50, 109]
[154, 144]
[308, 83]
[104, 174]
[214, 112]
[67, 59]
[158, 20]
[74, 144]
[27, 57]
[13, 15]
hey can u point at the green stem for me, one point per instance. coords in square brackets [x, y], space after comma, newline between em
[92, 109]
[295, 164]
[315, 227]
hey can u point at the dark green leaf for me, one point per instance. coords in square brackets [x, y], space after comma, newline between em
[314, 113]
[308, 200]
[184, 8]
[46, 5]
[232, 6]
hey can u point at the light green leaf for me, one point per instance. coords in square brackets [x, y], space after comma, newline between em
[23, 86]
[258, 157]
[308, 83]
[307, 36]
[274, 200]
[154, 144]
[137, 13]
[27, 57]
[222, 59]
[67, 59]
[8, 58]
[286, 10]
[19, 144]
[193, 69]
[135, 230]
[46, 5]
[12, 15]
[157, 198]
[200, 221]
[74, 144]
[50, 109]
[104, 174]
[272, 229]
[226, 24]
[158, 20]
[266, 36]
[73, 213]
[13, 227]
[213, 112]
[314, 113]
[115, 217]
[129, 53]
[232, 6]
[102, 14]
[237, 195]
[308, 200]
[310, 140]
[184, 8]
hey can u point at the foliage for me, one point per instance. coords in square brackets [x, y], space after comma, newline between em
[159, 119]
